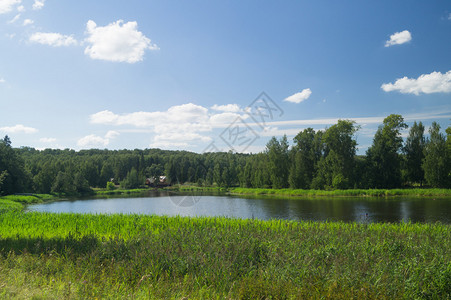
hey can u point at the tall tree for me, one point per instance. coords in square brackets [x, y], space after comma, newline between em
[278, 161]
[414, 151]
[14, 178]
[437, 165]
[305, 155]
[383, 156]
[336, 168]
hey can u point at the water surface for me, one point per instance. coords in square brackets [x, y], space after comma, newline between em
[391, 209]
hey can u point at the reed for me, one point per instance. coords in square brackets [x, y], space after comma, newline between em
[136, 256]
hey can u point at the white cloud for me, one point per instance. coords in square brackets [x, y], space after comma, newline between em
[38, 4]
[434, 82]
[118, 42]
[299, 97]
[112, 134]
[47, 140]
[27, 22]
[52, 39]
[224, 119]
[180, 125]
[21, 8]
[7, 6]
[185, 113]
[227, 108]
[399, 38]
[13, 20]
[19, 128]
[94, 141]
[2, 80]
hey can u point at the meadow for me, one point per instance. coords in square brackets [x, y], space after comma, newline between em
[72, 256]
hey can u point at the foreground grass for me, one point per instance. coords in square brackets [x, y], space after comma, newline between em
[129, 256]
[347, 193]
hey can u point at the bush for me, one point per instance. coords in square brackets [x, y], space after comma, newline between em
[110, 186]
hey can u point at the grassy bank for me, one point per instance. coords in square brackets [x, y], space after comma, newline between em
[101, 192]
[195, 188]
[17, 202]
[346, 193]
[97, 256]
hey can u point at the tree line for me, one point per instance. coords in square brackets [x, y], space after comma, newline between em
[322, 159]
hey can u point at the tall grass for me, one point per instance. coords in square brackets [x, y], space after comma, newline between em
[137, 256]
[350, 192]
[8, 205]
[120, 191]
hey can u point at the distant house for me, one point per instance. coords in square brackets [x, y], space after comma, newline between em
[150, 181]
[153, 182]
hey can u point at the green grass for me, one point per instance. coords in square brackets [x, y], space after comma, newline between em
[346, 193]
[29, 198]
[73, 256]
[8, 205]
[120, 191]
[195, 188]
[17, 202]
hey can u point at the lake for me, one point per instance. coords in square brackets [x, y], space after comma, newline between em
[392, 209]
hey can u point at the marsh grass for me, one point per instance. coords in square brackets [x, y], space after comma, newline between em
[120, 191]
[344, 193]
[135, 256]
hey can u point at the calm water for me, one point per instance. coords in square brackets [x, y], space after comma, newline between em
[428, 210]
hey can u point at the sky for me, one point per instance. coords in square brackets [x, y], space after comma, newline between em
[209, 76]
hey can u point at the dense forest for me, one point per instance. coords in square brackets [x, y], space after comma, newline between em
[323, 159]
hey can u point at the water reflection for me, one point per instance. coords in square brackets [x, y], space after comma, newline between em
[427, 210]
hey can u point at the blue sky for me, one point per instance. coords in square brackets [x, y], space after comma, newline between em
[185, 74]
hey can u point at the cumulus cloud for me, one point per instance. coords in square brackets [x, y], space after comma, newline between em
[227, 108]
[21, 8]
[7, 6]
[185, 113]
[299, 97]
[19, 128]
[38, 4]
[435, 82]
[53, 39]
[94, 141]
[27, 22]
[179, 125]
[2, 80]
[118, 42]
[399, 38]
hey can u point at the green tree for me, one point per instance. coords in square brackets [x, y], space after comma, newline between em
[305, 154]
[383, 156]
[14, 177]
[436, 163]
[414, 152]
[63, 184]
[336, 168]
[278, 161]
[44, 179]
[133, 180]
